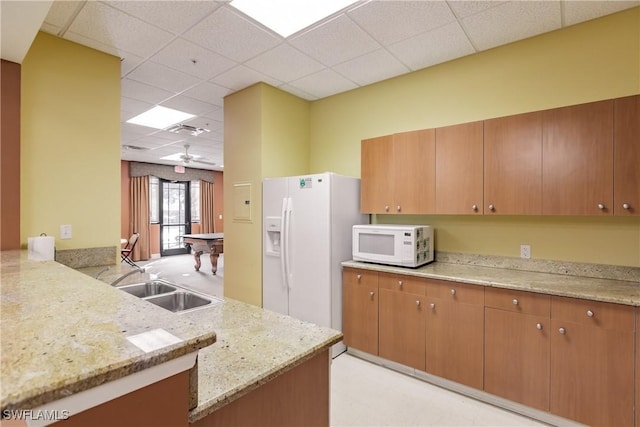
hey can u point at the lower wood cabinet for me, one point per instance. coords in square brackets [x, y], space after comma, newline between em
[517, 346]
[592, 361]
[455, 318]
[402, 319]
[360, 309]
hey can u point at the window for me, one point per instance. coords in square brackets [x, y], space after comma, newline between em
[154, 200]
[195, 201]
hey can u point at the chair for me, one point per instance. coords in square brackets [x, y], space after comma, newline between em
[127, 251]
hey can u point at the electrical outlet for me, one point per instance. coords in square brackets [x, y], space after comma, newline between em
[65, 231]
[525, 251]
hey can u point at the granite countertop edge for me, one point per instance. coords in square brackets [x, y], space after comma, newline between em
[595, 289]
[208, 407]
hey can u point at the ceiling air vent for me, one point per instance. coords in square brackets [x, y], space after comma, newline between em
[186, 130]
[134, 148]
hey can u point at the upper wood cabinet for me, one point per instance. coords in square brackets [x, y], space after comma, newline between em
[398, 173]
[577, 159]
[459, 169]
[626, 178]
[513, 165]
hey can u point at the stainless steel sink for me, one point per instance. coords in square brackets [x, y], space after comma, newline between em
[147, 289]
[180, 301]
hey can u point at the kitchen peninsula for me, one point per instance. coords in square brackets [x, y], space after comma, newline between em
[66, 335]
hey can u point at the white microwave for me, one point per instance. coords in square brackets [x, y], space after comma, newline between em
[401, 245]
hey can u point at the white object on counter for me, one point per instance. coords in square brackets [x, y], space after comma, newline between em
[41, 248]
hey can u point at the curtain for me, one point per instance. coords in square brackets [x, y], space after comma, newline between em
[139, 220]
[207, 217]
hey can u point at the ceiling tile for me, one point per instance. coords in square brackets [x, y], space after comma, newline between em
[133, 105]
[324, 83]
[463, 8]
[335, 41]
[163, 77]
[112, 27]
[391, 21]
[580, 11]
[285, 62]
[174, 16]
[189, 105]
[128, 61]
[241, 77]
[142, 92]
[372, 67]
[61, 12]
[192, 59]
[512, 21]
[436, 46]
[232, 35]
[208, 92]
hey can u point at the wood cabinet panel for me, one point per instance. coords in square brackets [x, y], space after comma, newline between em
[376, 175]
[518, 301]
[626, 179]
[577, 160]
[459, 169]
[414, 172]
[402, 283]
[360, 309]
[513, 165]
[517, 357]
[454, 291]
[402, 328]
[592, 359]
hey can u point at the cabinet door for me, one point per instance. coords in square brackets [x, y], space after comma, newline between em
[626, 178]
[402, 328]
[360, 309]
[592, 362]
[577, 160]
[455, 332]
[459, 169]
[516, 362]
[376, 175]
[513, 165]
[414, 172]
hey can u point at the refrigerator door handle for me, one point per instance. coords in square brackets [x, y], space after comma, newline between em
[283, 242]
[287, 242]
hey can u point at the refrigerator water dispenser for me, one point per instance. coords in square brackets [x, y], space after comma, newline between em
[272, 226]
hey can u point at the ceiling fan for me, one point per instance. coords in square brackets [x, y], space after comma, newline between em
[188, 158]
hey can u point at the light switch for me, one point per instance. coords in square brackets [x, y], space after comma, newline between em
[65, 231]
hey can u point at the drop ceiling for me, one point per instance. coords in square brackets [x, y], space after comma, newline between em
[188, 55]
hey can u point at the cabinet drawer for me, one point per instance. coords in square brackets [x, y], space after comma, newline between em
[401, 283]
[360, 277]
[601, 314]
[454, 291]
[518, 301]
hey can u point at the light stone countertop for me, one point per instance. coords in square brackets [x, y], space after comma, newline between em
[253, 346]
[606, 290]
[63, 332]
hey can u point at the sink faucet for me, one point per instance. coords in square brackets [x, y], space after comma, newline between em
[127, 274]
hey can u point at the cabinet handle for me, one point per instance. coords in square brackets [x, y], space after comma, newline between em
[515, 301]
[539, 326]
[398, 208]
[453, 291]
[400, 284]
[474, 208]
[626, 206]
[589, 313]
[386, 208]
[432, 305]
[359, 276]
[562, 331]
[491, 207]
[600, 206]
[371, 294]
[417, 303]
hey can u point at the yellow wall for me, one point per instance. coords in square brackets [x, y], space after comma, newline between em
[266, 135]
[595, 60]
[70, 160]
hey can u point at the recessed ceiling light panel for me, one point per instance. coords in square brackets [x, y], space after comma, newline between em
[160, 117]
[287, 17]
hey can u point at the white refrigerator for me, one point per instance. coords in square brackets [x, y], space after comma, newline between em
[307, 226]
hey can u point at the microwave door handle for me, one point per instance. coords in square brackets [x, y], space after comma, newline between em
[283, 240]
[287, 254]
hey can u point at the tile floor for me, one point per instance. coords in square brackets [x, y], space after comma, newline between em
[362, 393]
